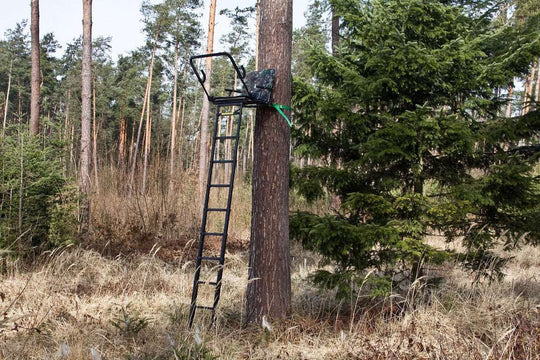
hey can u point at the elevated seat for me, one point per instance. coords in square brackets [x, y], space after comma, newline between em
[255, 87]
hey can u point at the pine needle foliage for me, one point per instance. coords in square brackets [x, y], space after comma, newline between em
[37, 203]
[407, 120]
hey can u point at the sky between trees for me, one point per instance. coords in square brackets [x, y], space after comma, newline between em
[120, 19]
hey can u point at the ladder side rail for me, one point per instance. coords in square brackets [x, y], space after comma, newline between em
[229, 203]
[198, 263]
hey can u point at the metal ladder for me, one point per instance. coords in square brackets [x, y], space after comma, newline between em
[224, 110]
[255, 89]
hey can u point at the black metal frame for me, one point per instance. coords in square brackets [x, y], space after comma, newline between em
[246, 96]
[237, 102]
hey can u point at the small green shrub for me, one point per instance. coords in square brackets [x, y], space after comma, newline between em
[37, 202]
[129, 321]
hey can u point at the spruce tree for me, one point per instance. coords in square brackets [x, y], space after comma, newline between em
[409, 109]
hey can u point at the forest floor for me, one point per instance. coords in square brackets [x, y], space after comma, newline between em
[124, 293]
[78, 304]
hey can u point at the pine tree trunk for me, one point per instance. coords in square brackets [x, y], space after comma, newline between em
[509, 104]
[269, 287]
[203, 153]
[528, 91]
[122, 137]
[181, 133]
[537, 90]
[173, 121]
[147, 139]
[6, 106]
[66, 127]
[144, 108]
[257, 32]
[35, 78]
[335, 31]
[86, 114]
[94, 139]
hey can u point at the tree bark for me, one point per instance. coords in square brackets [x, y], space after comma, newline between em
[94, 138]
[145, 101]
[203, 153]
[147, 139]
[6, 105]
[269, 287]
[173, 120]
[508, 111]
[86, 114]
[537, 91]
[528, 96]
[35, 76]
[335, 31]
[122, 138]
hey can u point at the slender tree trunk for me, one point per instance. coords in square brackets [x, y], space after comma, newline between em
[147, 139]
[72, 147]
[66, 131]
[94, 138]
[269, 287]
[7, 94]
[35, 81]
[508, 112]
[335, 31]
[528, 91]
[181, 133]
[203, 153]
[173, 121]
[257, 32]
[537, 90]
[21, 179]
[122, 145]
[86, 114]
[145, 101]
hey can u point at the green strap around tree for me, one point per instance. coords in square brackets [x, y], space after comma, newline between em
[280, 108]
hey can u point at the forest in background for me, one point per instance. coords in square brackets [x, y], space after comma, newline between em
[415, 143]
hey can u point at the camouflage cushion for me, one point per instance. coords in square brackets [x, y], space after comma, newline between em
[260, 85]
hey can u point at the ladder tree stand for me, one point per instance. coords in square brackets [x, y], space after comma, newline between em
[248, 90]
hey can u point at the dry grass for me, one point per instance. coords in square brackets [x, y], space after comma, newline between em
[76, 301]
[127, 297]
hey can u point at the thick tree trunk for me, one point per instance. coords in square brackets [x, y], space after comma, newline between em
[86, 113]
[35, 81]
[203, 153]
[269, 286]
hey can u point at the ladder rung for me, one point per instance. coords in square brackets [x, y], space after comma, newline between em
[211, 258]
[225, 137]
[216, 209]
[213, 234]
[200, 282]
[220, 185]
[205, 307]
[223, 161]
